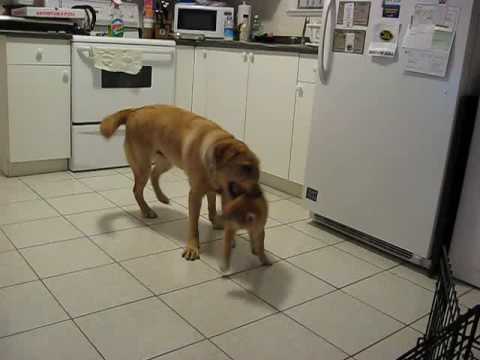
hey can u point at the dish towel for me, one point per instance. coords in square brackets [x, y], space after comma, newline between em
[118, 60]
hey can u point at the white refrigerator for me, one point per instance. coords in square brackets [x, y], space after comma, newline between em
[380, 136]
[465, 246]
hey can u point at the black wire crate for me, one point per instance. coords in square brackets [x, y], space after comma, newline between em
[450, 335]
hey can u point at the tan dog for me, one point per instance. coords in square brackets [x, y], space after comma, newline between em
[214, 161]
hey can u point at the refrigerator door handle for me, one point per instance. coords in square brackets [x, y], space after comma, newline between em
[322, 69]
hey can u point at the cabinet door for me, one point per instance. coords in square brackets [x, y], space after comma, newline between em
[221, 91]
[227, 90]
[270, 109]
[301, 131]
[184, 77]
[39, 112]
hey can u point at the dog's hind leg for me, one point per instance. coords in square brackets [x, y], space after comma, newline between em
[161, 165]
[140, 164]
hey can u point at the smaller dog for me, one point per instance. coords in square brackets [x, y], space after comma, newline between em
[245, 209]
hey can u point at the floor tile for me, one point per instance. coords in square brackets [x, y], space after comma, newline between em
[392, 347]
[276, 337]
[68, 205]
[137, 331]
[462, 288]
[54, 342]
[284, 241]
[368, 254]
[125, 197]
[168, 271]
[344, 321]
[56, 176]
[95, 173]
[335, 266]
[282, 285]
[14, 270]
[166, 177]
[40, 232]
[103, 183]
[183, 201]
[5, 244]
[242, 258]
[201, 351]
[174, 189]
[395, 296]
[165, 213]
[25, 211]
[27, 306]
[179, 173]
[66, 256]
[123, 170]
[287, 211]
[178, 231]
[103, 221]
[277, 193]
[127, 244]
[471, 299]
[96, 289]
[416, 276]
[15, 191]
[421, 325]
[217, 306]
[310, 228]
[60, 188]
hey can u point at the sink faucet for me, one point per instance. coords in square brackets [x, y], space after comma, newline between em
[305, 23]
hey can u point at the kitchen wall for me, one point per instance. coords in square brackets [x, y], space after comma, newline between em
[273, 14]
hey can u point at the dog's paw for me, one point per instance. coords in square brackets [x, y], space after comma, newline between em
[164, 200]
[150, 214]
[224, 267]
[191, 254]
[265, 260]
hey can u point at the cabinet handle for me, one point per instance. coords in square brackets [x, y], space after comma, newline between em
[252, 58]
[204, 54]
[65, 76]
[315, 70]
[245, 56]
[39, 54]
[299, 90]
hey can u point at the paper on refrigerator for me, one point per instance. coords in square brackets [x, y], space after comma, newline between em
[385, 40]
[429, 39]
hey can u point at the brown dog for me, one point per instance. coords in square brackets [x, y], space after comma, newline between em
[214, 161]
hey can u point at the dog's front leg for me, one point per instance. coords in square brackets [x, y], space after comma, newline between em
[227, 248]
[257, 243]
[192, 251]
[215, 219]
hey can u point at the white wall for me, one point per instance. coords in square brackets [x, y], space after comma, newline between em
[273, 14]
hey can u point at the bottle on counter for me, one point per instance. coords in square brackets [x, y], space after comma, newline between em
[257, 27]
[229, 26]
[244, 29]
[116, 26]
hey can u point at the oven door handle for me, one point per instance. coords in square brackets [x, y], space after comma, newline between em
[89, 49]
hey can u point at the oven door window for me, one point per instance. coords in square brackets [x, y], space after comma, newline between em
[120, 80]
[191, 19]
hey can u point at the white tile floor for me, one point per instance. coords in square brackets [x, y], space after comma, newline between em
[84, 276]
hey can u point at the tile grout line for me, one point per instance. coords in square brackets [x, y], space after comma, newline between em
[60, 305]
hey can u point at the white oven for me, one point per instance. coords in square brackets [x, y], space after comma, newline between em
[201, 20]
[98, 93]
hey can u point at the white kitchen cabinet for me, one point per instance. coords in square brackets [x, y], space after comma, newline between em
[184, 76]
[301, 131]
[220, 87]
[35, 104]
[272, 82]
[38, 112]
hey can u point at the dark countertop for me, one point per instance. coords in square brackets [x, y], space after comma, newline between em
[37, 35]
[299, 49]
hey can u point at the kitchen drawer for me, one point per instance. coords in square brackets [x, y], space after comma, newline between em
[22, 51]
[308, 69]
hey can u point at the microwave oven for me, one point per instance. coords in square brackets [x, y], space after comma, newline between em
[201, 20]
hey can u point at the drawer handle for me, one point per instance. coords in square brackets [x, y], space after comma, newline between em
[299, 90]
[65, 76]
[252, 58]
[39, 54]
[245, 56]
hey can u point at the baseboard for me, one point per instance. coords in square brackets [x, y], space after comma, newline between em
[34, 167]
[284, 185]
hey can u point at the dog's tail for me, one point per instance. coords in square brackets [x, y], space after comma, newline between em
[112, 122]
